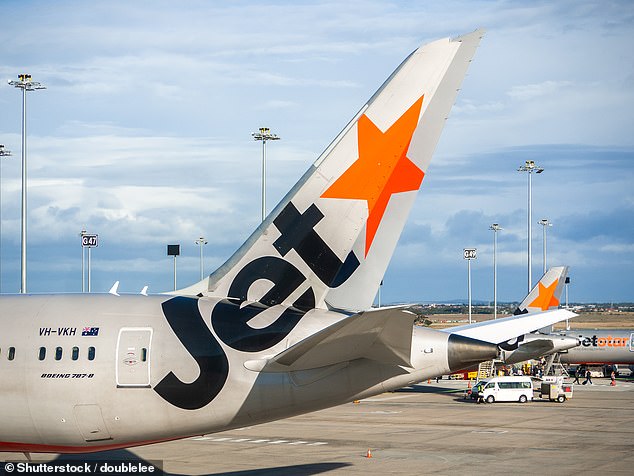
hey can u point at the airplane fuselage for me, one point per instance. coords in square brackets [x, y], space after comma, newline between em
[83, 373]
[600, 346]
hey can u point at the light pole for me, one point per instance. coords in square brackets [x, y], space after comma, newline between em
[174, 250]
[263, 135]
[530, 167]
[24, 83]
[545, 224]
[495, 228]
[88, 240]
[201, 242]
[83, 266]
[3, 153]
[567, 282]
[469, 254]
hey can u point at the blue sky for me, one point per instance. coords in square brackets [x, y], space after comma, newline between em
[143, 135]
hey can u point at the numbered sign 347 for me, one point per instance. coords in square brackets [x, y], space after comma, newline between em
[469, 253]
[89, 241]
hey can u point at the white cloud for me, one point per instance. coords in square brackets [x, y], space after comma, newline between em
[528, 92]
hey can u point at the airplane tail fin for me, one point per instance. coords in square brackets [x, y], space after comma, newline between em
[328, 242]
[546, 294]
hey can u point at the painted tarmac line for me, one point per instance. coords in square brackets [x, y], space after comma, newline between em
[261, 440]
[387, 398]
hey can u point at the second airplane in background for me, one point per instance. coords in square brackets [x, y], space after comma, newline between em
[542, 298]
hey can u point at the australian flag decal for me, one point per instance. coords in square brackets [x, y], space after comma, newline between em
[90, 331]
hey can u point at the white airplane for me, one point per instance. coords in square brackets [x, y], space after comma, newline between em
[281, 328]
[599, 346]
[544, 296]
[574, 346]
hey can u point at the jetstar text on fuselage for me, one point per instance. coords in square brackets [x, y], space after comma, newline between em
[608, 341]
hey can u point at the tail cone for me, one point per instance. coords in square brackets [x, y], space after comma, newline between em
[464, 352]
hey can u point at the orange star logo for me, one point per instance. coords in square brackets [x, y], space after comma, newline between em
[546, 299]
[382, 168]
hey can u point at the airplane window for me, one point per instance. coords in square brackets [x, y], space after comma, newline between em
[143, 354]
[75, 355]
[11, 353]
[42, 355]
[58, 353]
[91, 353]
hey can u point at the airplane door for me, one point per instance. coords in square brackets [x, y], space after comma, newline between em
[133, 357]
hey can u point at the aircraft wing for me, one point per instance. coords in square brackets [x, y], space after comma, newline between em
[501, 330]
[383, 334]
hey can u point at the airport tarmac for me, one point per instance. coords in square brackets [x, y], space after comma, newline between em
[426, 429]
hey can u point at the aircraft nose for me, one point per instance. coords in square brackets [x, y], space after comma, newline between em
[464, 352]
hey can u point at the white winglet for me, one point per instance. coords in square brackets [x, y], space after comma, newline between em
[144, 291]
[114, 288]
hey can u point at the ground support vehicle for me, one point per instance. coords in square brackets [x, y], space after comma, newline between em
[555, 389]
[503, 389]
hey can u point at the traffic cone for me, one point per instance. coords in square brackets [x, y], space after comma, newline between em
[469, 384]
[428, 380]
[369, 453]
